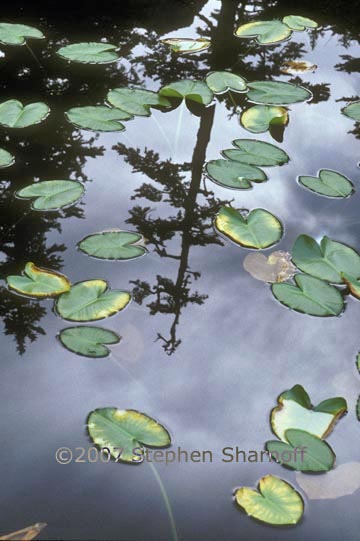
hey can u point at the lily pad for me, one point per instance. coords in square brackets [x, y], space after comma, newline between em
[277, 267]
[260, 118]
[13, 114]
[231, 174]
[187, 45]
[89, 53]
[136, 101]
[294, 68]
[266, 32]
[90, 301]
[277, 93]
[302, 452]
[295, 410]
[310, 296]
[297, 22]
[6, 159]
[16, 34]
[276, 502]
[255, 229]
[254, 152]
[328, 183]
[25, 534]
[344, 480]
[37, 282]
[125, 433]
[88, 341]
[98, 118]
[52, 194]
[220, 82]
[113, 245]
[352, 110]
[327, 260]
[352, 283]
[197, 91]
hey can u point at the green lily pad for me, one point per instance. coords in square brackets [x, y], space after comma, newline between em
[13, 114]
[16, 34]
[303, 452]
[37, 282]
[310, 296]
[358, 409]
[276, 502]
[125, 433]
[98, 118]
[294, 410]
[233, 174]
[327, 260]
[220, 82]
[88, 341]
[197, 91]
[266, 32]
[91, 300]
[358, 362]
[52, 194]
[260, 118]
[352, 110]
[296, 22]
[352, 283]
[257, 229]
[255, 152]
[6, 159]
[89, 53]
[329, 183]
[136, 101]
[113, 245]
[187, 45]
[277, 93]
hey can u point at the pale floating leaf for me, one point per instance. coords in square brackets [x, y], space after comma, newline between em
[302, 452]
[220, 82]
[235, 175]
[27, 534]
[13, 114]
[276, 502]
[91, 300]
[89, 53]
[136, 101]
[16, 34]
[266, 32]
[326, 260]
[254, 152]
[187, 45]
[125, 433]
[277, 93]
[260, 118]
[255, 229]
[37, 282]
[294, 68]
[343, 480]
[98, 118]
[113, 245]
[52, 194]
[88, 341]
[277, 267]
[196, 91]
[299, 23]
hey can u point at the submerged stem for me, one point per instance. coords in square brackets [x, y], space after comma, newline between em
[161, 130]
[34, 56]
[166, 501]
[178, 127]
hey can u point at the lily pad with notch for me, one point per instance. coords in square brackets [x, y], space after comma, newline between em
[329, 183]
[277, 93]
[52, 194]
[88, 341]
[187, 45]
[91, 300]
[13, 114]
[310, 296]
[275, 502]
[257, 229]
[294, 410]
[302, 452]
[113, 245]
[125, 433]
[235, 175]
[260, 118]
[89, 52]
[136, 101]
[39, 283]
[265, 32]
[187, 89]
[299, 23]
[352, 111]
[98, 118]
[6, 159]
[254, 152]
[220, 82]
[326, 260]
[16, 34]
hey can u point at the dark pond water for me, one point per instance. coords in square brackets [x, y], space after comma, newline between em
[206, 349]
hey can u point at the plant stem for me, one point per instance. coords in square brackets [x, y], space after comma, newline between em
[178, 127]
[161, 130]
[34, 56]
[166, 501]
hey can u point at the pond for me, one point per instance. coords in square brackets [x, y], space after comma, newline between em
[205, 347]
